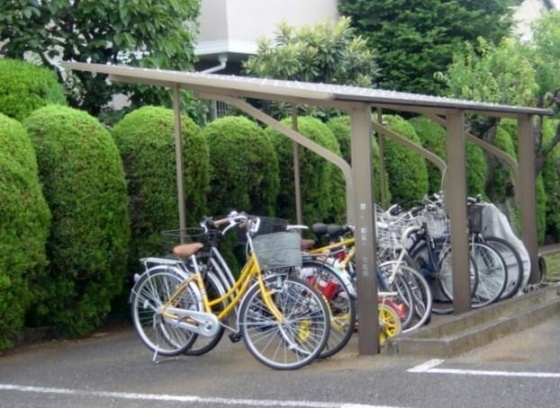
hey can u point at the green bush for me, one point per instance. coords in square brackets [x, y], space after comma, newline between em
[244, 167]
[551, 180]
[433, 138]
[84, 186]
[406, 170]
[26, 87]
[24, 225]
[501, 176]
[145, 138]
[340, 126]
[321, 183]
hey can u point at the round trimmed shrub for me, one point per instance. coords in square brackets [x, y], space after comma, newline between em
[84, 185]
[24, 226]
[146, 141]
[322, 186]
[26, 87]
[433, 137]
[244, 167]
[406, 170]
[341, 128]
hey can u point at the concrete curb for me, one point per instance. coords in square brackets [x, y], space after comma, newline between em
[454, 335]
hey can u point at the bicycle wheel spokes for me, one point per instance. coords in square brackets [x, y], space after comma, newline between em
[341, 304]
[149, 293]
[298, 338]
[492, 274]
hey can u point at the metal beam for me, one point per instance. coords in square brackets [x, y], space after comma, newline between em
[179, 158]
[456, 203]
[360, 119]
[525, 193]
[297, 186]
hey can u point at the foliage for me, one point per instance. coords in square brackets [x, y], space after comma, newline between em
[26, 87]
[243, 167]
[327, 53]
[433, 137]
[146, 141]
[84, 186]
[340, 126]
[551, 180]
[24, 225]
[244, 175]
[322, 193]
[416, 38]
[501, 177]
[140, 33]
[501, 73]
[406, 170]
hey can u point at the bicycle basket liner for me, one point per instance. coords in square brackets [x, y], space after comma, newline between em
[278, 249]
[474, 212]
[437, 223]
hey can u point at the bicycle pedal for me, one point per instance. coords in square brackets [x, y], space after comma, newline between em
[235, 337]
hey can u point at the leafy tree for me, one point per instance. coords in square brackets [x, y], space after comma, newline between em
[146, 33]
[416, 38]
[328, 53]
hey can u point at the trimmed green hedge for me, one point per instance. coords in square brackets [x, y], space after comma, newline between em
[501, 176]
[341, 128]
[322, 187]
[244, 167]
[433, 138]
[84, 185]
[551, 179]
[26, 87]
[24, 226]
[406, 170]
[146, 141]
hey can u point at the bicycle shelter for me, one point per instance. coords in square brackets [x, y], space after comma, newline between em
[358, 104]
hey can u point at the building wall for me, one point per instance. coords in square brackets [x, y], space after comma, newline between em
[233, 26]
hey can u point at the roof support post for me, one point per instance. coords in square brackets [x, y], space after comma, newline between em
[383, 175]
[456, 204]
[297, 184]
[360, 119]
[525, 190]
[179, 157]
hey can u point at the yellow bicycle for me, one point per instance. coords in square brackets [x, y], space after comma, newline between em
[283, 321]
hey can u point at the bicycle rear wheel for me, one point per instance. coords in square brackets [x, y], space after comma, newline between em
[492, 274]
[203, 344]
[299, 337]
[341, 303]
[422, 300]
[149, 294]
[514, 264]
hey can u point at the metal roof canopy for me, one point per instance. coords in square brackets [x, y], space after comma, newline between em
[358, 103]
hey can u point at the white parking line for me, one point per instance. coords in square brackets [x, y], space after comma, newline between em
[186, 398]
[430, 367]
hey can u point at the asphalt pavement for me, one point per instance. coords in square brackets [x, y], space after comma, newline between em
[112, 368]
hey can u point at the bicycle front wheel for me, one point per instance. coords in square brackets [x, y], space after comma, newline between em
[341, 303]
[149, 294]
[303, 331]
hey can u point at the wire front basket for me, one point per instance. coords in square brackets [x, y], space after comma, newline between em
[278, 250]
[437, 223]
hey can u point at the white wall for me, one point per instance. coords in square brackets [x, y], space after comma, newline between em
[233, 26]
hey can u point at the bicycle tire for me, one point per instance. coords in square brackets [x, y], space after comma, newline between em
[514, 264]
[202, 345]
[299, 338]
[341, 303]
[151, 291]
[422, 297]
[403, 298]
[492, 274]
